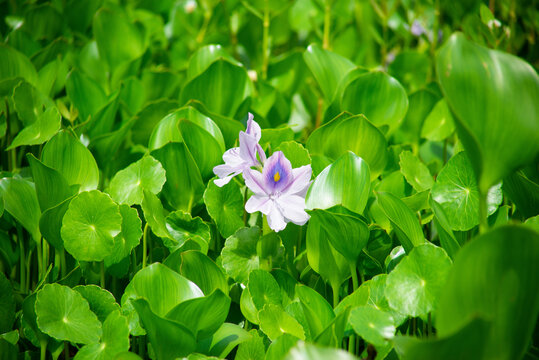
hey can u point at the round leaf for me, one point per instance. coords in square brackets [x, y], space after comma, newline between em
[182, 227]
[128, 185]
[101, 301]
[274, 322]
[457, 192]
[65, 315]
[225, 206]
[239, 254]
[90, 224]
[414, 286]
[128, 238]
[375, 326]
[416, 173]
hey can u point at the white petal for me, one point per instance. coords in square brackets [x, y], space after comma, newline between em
[222, 182]
[253, 128]
[301, 182]
[259, 203]
[255, 182]
[225, 170]
[293, 208]
[276, 220]
[248, 147]
[232, 156]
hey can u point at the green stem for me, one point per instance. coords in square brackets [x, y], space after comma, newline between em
[352, 344]
[66, 350]
[327, 24]
[265, 226]
[43, 349]
[102, 266]
[244, 202]
[22, 260]
[265, 43]
[353, 271]
[144, 245]
[483, 221]
[204, 28]
[429, 325]
[63, 264]
[39, 250]
[45, 255]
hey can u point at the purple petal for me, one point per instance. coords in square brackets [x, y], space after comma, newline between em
[233, 166]
[253, 128]
[301, 181]
[255, 182]
[248, 147]
[276, 220]
[261, 154]
[259, 203]
[293, 208]
[277, 172]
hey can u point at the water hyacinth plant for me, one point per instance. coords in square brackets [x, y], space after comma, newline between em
[269, 180]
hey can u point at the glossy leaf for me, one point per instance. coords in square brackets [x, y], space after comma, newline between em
[375, 326]
[305, 351]
[457, 192]
[351, 133]
[264, 289]
[416, 173]
[404, 222]
[72, 160]
[51, 187]
[379, 97]
[101, 301]
[414, 286]
[225, 206]
[503, 87]
[239, 254]
[204, 57]
[128, 238]
[65, 315]
[85, 93]
[339, 183]
[20, 200]
[318, 313]
[439, 124]
[15, 64]
[90, 224]
[274, 322]
[128, 185]
[182, 227]
[493, 278]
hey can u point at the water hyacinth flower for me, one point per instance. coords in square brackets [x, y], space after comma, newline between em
[238, 159]
[279, 191]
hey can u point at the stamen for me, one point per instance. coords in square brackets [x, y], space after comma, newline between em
[276, 177]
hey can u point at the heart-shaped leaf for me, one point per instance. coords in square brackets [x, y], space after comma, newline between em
[20, 200]
[239, 254]
[182, 227]
[416, 173]
[274, 322]
[128, 238]
[225, 206]
[375, 326]
[101, 301]
[502, 87]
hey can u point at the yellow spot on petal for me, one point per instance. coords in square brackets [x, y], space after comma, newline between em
[276, 177]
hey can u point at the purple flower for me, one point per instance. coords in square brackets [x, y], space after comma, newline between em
[279, 191]
[417, 29]
[238, 159]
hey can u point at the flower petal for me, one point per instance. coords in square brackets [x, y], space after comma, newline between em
[259, 203]
[222, 182]
[293, 208]
[253, 128]
[248, 147]
[255, 182]
[277, 172]
[301, 181]
[275, 219]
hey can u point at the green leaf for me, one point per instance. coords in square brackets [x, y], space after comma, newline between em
[128, 238]
[162, 288]
[351, 133]
[327, 67]
[50, 223]
[457, 192]
[101, 301]
[85, 94]
[128, 185]
[318, 313]
[252, 349]
[90, 224]
[377, 297]
[202, 315]
[115, 340]
[448, 241]
[378, 96]
[222, 87]
[280, 347]
[225, 206]
[295, 152]
[439, 124]
[347, 234]
[7, 305]
[198, 268]
[274, 322]
[20, 200]
[416, 173]
[65, 315]
[204, 57]
[239, 255]
[306, 351]
[339, 183]
[404, 222]
[182, 227]
[225, 339]
[29, 103]
[15, 64]
[411, 69]
[119, 40]
[51, 187]
[169, 339]
[264, 289]
[420, 105]
[494, 278]
[184, 186]
[523, 192]
[148, 117]
[375, 326]
[414, 286]
[154, 213]
[467, 343]
[502, 87]
[72, 160]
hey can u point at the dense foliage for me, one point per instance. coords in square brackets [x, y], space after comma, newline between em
[416, 236]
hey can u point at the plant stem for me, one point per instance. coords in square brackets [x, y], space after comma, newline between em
[144, 245]
[352, 344]
[102, 266]
[66, 350]
[265, 226]
[22, 260]
[483, 221]
[63, 264]
[265, 42]
[204, 28]
[39, 250]
[43, 349]
[327, 24]
[353, 271]
[429, 325]
[45, 255]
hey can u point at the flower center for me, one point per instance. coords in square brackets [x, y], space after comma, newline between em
[276, 176]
